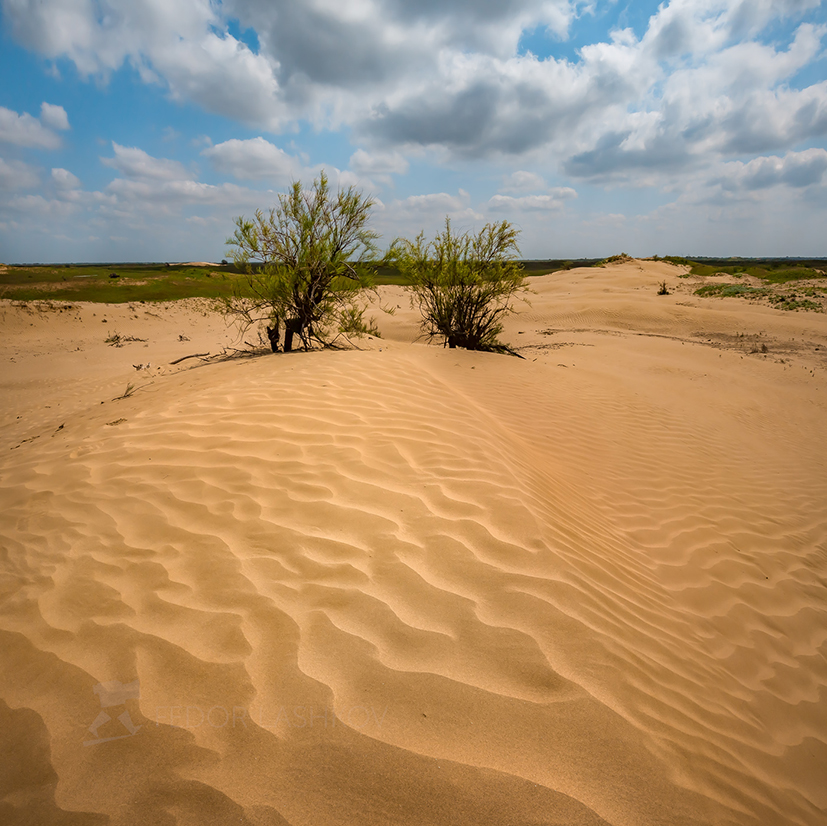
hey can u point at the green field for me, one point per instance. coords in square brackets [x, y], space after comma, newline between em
[116, 283]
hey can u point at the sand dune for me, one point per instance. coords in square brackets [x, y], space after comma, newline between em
[419, 586]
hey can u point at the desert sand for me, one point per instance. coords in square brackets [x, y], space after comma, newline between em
[409, 585]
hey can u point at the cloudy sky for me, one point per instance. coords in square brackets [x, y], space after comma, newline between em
[137, 129]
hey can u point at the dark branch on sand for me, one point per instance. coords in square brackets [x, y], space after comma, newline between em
[191, 356]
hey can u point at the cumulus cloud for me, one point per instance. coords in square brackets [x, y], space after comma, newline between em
[64, 179]
[257, 159]
[252, 160]
[441, 203]
[532, 203]
[53, 117]
[448, 75]
[16, 175]
[379, 164]
[183, 45]
[132, 162]
[26, 130]
[169, 196]
[522, 181]
[795, 169]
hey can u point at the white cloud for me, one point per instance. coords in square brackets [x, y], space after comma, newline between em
[441, 203]
[26, 130]
[53, 117]
[15, 175]
[170, 196]
[132, 162]
[378, 164]
[257, 159]
[426, 212]
[532, 203]
[447, 75]
[64, 180]
[522, 181]
[182, 45]
[795, 169]
[254, 159]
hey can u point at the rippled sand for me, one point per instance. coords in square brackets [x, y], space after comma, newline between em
[419, 586]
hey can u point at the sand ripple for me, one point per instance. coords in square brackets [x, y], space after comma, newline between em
[383, 587]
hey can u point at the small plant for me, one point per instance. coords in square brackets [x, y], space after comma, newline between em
[130, 389]
[117, 340]
[663, 289]
[617, 259]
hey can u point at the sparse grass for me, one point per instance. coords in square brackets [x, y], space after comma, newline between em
[663, 289]
[725, 290]
[130, 389]
[791, 302]
[117, 340]
[785, 299]
[615, 259]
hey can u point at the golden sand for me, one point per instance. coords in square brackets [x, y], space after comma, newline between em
[412, 585]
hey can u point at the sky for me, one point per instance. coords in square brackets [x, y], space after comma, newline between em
[137, 130]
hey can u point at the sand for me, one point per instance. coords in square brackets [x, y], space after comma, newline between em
[410, 585]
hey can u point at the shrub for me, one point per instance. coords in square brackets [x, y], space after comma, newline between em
[305, 264]
[462, 284]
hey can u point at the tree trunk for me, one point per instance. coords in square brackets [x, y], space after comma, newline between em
[273, 335]
[460, 340]
[291, 326]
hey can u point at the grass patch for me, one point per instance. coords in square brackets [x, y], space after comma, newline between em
[795, 298]
[134, 282]
[769, 270]
[792, 302]
[729, 290]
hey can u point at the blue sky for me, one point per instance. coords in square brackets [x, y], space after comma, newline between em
[136, 130]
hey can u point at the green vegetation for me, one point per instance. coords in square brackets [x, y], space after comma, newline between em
[789, 284]
[730, 290]
[134, 282]
[791, 302]
[300, 265]
[387, 273]
[615, 259]
[770, 270]
[783, 284]
[463, 284]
